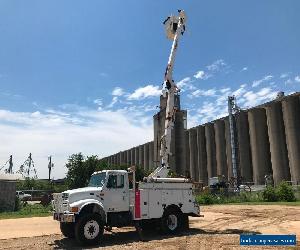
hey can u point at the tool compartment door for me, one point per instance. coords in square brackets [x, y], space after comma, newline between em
[155, 203]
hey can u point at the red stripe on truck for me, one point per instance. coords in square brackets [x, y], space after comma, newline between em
[137, 207]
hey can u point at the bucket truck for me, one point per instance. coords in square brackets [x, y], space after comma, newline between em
[114, 199]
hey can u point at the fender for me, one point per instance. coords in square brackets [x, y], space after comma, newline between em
[83, 203]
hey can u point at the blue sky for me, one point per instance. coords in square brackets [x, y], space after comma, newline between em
[86, 75]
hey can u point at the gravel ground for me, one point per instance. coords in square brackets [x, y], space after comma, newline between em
[219, 229]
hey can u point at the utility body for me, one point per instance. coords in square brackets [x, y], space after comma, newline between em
[112, 200]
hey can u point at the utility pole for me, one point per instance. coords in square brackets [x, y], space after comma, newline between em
[50, 166]
[29, 164]
[10, 165]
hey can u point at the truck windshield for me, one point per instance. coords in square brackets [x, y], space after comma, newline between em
[97, 180]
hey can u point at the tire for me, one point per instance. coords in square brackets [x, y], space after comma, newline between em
[89, 229]
[171, 222]
[185, 222]
[67, 229]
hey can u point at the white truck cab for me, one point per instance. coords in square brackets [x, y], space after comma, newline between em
[111, 200]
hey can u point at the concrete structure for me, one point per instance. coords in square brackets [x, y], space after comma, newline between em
[268, 139]
[210, 150]
[180, 128]
[186, 169]
[193, 154]
[228, 149]
[278, 149]
[260, 148]
[7, 195]
[128, 157]
[151, 155]
[141, 156]
[244, 151]
[220, 141]
[201, 155]
[146, 156]
[132, 156]
[291, 116]
[137, 155]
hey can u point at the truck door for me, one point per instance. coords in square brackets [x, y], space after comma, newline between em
[117, 196]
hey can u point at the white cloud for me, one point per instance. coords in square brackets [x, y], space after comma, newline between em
[261, 96]
[240, 91]
[201, 92]
[216, 65]
[60, 135]
[185, 83]
[264, 79]
[113, 102]
[117, 91]
[144, 92]
[297, 78]
[99, 102]
[182, 83]
[210, 111]
[244, 69]
[202, 75]
[224, 90]
[284, 75]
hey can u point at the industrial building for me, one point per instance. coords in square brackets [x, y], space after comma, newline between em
[268, 143]
[7, 192]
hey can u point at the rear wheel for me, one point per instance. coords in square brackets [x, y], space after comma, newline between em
[89, 229]
[67, 229]
[171, 221]
[185, 222]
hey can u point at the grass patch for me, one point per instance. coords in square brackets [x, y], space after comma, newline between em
[35, 210]
[283, 194]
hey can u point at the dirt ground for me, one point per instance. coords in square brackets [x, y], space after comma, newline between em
[219, 229]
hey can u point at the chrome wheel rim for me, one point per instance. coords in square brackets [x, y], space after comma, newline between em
[172, 222]
[91, 229]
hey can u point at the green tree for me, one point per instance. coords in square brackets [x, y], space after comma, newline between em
[91, 164]
[81, 169]
[76, 176]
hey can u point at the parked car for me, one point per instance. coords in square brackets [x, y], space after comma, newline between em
[22, 196]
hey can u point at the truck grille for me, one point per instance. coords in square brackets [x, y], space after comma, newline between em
[65, 196]
[60, 205]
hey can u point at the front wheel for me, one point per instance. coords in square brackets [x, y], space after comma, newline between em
[171, 221]
[89, 229]
[67, 229]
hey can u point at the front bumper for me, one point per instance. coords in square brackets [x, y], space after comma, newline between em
[64, 217]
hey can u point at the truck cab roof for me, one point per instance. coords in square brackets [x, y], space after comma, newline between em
[110, 171]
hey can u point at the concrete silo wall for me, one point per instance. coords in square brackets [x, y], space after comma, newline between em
[268, 143]
[220, 142]
[260, 147]
[244, 149]
[278, 149]
[201, 155]
[291, 116]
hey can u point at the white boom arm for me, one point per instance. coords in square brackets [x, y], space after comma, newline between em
[175, 27]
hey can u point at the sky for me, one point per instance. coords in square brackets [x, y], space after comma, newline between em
[85, 76]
